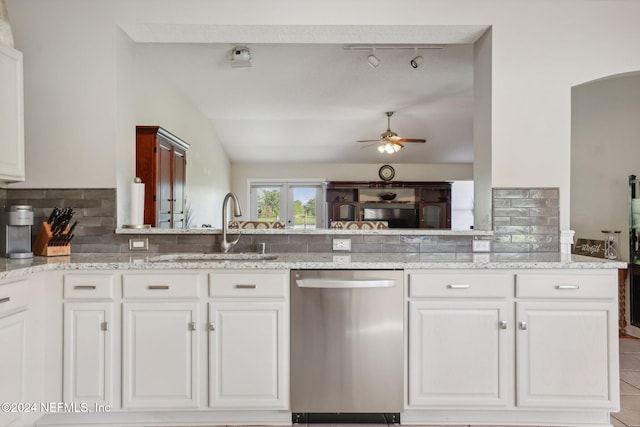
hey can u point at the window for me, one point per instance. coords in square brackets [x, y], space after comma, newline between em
[297, 204]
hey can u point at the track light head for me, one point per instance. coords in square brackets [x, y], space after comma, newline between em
[373, 60]
[241, 57]
[416, 61]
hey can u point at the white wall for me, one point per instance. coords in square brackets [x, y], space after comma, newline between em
[540, 49]
[208, 168]
[605, 150]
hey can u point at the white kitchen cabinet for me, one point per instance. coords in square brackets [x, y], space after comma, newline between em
[160, 364]
[160, 344]
[11, 115]
[88, 330]
[249, 340]
[88, 353]
[458, 352]
[555, 363]
[14, 357]
[21, 349]
[567, 341]
[460, 340]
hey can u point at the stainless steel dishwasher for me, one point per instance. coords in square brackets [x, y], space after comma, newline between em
[346, 345]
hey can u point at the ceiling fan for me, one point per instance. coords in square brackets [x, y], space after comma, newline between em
[389, 141]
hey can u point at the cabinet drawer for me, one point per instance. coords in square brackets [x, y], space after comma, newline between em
[81, 286]
[567, 285]
[236, 284]
[460, 285]
[161, 286]
[13, 296]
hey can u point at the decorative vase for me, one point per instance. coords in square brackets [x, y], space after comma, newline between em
[6, 36]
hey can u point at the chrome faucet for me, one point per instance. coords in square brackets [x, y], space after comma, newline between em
[226, 246]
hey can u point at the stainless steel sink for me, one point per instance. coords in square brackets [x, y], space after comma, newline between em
[213, 257]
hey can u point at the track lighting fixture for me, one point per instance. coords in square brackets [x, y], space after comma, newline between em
[241, 57]
[417, 60]
[372, 59]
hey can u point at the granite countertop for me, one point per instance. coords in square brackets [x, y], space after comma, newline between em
[306, 232]
[17, 268]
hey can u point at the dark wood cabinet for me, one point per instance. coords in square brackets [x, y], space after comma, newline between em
[161, 164]
[418, 205]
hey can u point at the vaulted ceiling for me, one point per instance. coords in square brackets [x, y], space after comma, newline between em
[311, 102]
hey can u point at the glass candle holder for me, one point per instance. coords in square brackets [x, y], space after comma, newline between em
[611, 241]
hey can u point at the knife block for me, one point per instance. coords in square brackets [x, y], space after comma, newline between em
[44, 239]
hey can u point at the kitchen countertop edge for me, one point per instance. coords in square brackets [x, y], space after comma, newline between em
[15, 269]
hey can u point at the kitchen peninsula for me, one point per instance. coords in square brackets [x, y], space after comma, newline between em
[92, 323]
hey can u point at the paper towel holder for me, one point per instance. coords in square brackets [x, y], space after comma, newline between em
[137, 180]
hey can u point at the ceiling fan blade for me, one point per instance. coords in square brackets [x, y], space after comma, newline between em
[410, 140]
[371, 144]
[369, 140]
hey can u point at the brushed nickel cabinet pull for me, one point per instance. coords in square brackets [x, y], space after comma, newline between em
[523, 326]
[192, 326]
[5, 299]
[458, 286]
[212, 327]
[158, 287]
[85, 287]
[567, 287]
[503, 324]
[104, 326]
[244, 286]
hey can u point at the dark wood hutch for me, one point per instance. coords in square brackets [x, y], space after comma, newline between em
[415, 205]
[162, 165]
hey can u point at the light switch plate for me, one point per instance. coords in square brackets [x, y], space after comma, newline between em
[139, 244]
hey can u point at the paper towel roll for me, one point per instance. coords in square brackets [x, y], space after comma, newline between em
[137, 203]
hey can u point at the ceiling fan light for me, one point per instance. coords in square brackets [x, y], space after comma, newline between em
[389, 148]
[381, 148]
[396, 147]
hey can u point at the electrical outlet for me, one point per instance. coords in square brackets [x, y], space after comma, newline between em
[139, 244]
[341, 244]
[481, 245]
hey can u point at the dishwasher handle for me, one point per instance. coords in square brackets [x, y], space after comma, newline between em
[345, 283]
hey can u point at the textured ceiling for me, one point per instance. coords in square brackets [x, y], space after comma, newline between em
[308, 102]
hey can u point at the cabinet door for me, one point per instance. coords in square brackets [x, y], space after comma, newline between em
[179, 180]
[247, 355]
[88, 357]
[160, 366]
[11, 115]
[164, 196]
[435, 215]
[13, 363]
[460, 353]
[567, 355]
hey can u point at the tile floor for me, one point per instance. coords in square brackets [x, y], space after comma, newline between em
[629, 414]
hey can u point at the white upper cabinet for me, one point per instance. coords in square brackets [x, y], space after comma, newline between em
[11, 115]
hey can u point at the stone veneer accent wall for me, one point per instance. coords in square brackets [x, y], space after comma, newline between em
[525, 220]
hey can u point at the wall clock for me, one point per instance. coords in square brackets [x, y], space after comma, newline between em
[386, 173]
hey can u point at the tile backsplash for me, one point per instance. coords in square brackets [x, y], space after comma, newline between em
[525, 220]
